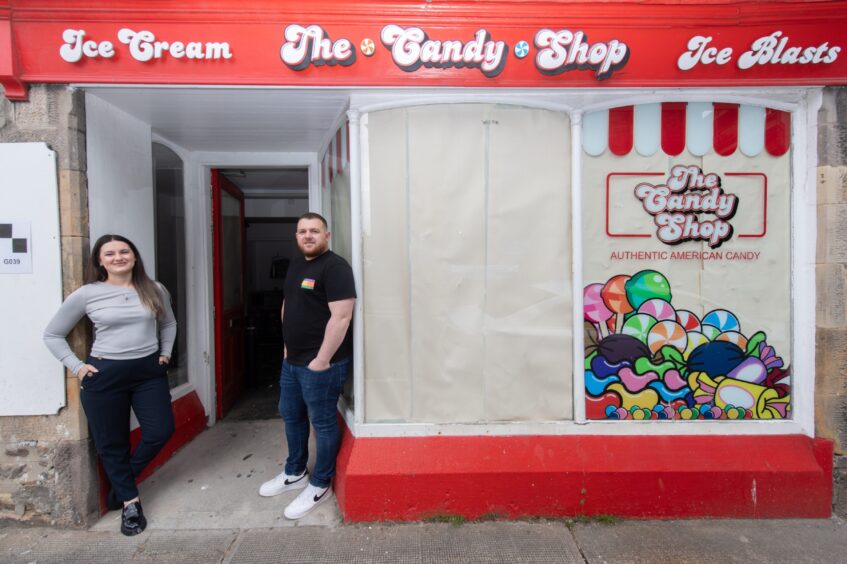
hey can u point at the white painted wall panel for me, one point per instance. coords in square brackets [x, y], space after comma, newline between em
[120, 177]
[32, 381]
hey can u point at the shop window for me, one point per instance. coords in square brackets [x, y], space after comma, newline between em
[170, 249]
[467, 265]
[335, 191]
[335, 203]
[687, 262]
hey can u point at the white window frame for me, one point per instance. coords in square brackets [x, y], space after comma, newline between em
[802, 103]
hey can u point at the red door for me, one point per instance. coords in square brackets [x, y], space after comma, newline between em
[228, 235]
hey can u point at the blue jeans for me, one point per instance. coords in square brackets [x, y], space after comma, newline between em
[306, 395]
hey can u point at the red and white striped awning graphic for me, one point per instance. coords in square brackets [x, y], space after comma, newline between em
[699, 127]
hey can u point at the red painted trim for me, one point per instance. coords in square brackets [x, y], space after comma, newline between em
[608, 189]
[629, 476]
[339, 163]
[14, 87]
[620, 130]
[347, 136]
[725, 128]
[777, 132]
[673, 127]
[189, 421]
[764, 178]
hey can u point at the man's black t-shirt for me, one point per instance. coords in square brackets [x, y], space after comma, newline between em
[309, 287]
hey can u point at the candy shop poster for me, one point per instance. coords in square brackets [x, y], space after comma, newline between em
[686, 297]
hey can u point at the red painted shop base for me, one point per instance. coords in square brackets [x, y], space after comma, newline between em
[634, 476]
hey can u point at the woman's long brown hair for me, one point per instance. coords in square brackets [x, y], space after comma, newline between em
[148, 291]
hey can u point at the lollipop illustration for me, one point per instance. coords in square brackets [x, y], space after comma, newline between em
[594, 309]
[646, 285]
[614, 296]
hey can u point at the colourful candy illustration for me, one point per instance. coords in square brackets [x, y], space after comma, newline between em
[659, 362]
[614, 296]
[595, 310]
[645, 285]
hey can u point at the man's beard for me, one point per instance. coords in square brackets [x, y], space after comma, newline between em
[315, 251]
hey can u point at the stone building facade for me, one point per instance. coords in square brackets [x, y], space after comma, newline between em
[48, 470]
[831, 353]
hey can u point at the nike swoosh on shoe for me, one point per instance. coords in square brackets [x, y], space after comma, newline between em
[317, 498]
[287, 483]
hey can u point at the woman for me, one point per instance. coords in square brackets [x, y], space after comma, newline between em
[134, 331]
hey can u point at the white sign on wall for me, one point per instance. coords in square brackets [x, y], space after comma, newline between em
[15, 246]
[32, 381]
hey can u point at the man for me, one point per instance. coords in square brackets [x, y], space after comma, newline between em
[316, 313]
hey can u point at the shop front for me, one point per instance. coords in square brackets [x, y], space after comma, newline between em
[587, 237]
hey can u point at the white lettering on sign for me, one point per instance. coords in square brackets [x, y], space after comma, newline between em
[143, 47]
[699, 51]
[675, 206]
[76, 46]
[774, 49]
[563, 50]
[311, 45]
[411, 48]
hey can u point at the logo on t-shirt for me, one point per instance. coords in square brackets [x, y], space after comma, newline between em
[308, 284]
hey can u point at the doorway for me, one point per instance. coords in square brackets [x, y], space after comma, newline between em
[251, 264]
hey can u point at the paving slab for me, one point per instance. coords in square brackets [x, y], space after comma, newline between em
[46, 546]
[189, 547]
[500, 542]
[719, 541]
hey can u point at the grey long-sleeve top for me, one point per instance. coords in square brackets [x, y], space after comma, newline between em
[123, 327]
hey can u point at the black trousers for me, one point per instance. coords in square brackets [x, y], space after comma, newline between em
[107, 396]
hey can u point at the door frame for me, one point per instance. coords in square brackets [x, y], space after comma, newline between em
[199, 238]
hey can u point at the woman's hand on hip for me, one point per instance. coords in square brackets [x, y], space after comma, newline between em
[164, 359]
[86, 370]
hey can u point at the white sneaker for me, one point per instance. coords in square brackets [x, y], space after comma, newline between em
[308, 499]
[284, 483]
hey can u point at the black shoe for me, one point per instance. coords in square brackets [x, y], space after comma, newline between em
[112, 501]
[132, 519]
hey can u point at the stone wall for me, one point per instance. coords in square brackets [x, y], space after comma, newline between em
[47, 464]
[831, 275]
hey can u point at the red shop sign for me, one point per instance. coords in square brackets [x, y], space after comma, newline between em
[385, 43]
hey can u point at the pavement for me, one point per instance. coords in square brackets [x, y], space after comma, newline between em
[542, 541]
[203, 507]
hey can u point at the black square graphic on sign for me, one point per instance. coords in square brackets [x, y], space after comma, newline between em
[5, 230]
[18, 245]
